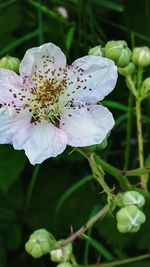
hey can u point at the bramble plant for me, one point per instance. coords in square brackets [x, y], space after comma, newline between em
[51, 105]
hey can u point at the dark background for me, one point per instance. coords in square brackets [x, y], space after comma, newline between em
[61, 193]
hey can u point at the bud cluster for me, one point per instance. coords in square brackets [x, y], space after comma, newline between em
[126, 60]
[141, 56]
[40, 243]
[119, 52]
[62, 254]
[97, 51]
[11, 63]
[130, 217]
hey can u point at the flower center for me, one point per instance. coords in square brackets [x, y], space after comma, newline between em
[47, 99]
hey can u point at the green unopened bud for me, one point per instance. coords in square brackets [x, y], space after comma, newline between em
[129, 219]
[64, 264]
[141, 56]
[96, 51]
[133, 198]
[128, 70]
[11, 63]
[145, 89]
[119, 52]
[61, 254]
[40, 243]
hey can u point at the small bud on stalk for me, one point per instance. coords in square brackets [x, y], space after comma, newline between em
[141, 56]
[119, 52]
[128, 70]
[61, 254]
[129, 219]
[40, 243]
[96, 51]
[145, 89]
[11, 63]
[133, 198]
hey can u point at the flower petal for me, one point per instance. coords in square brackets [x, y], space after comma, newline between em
[11, 123]
[40, 141]
[91, 78]
[86, 126]
[10, 87]
[41, 61]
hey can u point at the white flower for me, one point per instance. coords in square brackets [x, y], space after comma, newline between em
[52, 104]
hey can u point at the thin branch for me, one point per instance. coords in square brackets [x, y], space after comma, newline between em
[101, 213]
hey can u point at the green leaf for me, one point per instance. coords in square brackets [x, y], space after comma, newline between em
[53, 180]
[114, 104]
[112, 5]
[100, 248]
[7, 3]
[19, 41]
[69, 192]
[7, 211]
[13, 236]
[2, 255]
[137, 264]
[70, 37]
[12, 163]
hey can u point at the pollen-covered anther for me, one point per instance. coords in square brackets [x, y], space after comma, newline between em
[44, 103]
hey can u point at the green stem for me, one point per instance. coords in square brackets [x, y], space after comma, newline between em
[100, 214]
[97, 172]
[118, 174]
[140, 141]
[128, 131]
[125, 184]
[120, 262]
[32, 183]
[139, 127]
[139, 79]
[131, 86]
[87, 243]
[136, 172]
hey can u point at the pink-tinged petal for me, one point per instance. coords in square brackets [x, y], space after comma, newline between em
[40, 141]
[11, 123]
[10, 87]
[42, 61]
[87, 125]
[91, 78]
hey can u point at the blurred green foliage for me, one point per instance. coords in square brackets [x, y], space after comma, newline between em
[61, 194]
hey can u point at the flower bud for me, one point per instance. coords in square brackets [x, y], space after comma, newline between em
[141, 56]
[129, 219]
[119, 52]
[40, 243]
[128, 70]
[61, 254]
[62, 11]
[64, 264]
[96, 51]
[11, 63]
[145, 89]
[133, 198]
